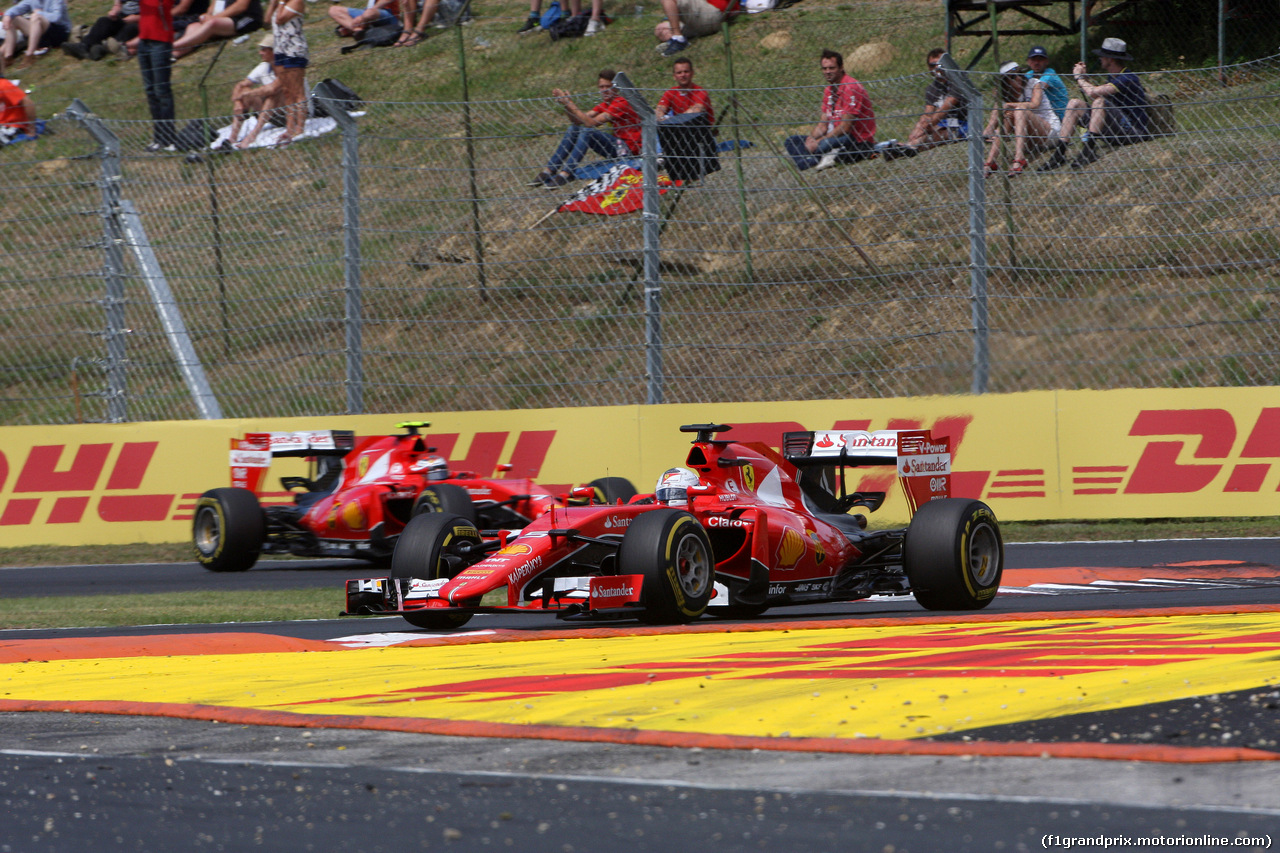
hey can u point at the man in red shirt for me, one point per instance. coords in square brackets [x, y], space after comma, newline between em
[155, 60]
[685, 127]
[584, 133]
[16, 109]
[685, 97]
[847, 131]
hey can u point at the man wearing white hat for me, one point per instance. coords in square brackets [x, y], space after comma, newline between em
[250, 94]
[1116, 109]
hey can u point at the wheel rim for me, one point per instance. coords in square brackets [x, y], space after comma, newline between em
[984, 555]
[208, 532]
[693, 566]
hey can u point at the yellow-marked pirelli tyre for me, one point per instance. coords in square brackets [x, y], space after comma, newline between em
[228, 529]
[428, 550]
[610, 490]
[671, 550]
[954, 555]
[448, 499]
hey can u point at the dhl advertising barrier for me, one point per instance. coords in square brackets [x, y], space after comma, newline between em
[1037, 455]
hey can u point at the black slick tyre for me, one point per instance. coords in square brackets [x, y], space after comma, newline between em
[669, 548]
[428, 549]
[228, 529]
[954, 555]
[610, 490]
[448, 499]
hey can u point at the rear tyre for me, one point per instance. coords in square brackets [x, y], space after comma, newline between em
[428, 549]
[610, 490]
[228, 530]
[671, 550]
[954, 555]
[448, 499]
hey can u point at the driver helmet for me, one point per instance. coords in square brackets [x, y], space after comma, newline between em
[673, 486]
[437, 468]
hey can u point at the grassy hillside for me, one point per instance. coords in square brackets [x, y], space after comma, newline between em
[773, 49]
[1149, 270]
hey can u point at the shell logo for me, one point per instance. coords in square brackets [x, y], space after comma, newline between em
[790, 549]
[353, 516]
[516, 549]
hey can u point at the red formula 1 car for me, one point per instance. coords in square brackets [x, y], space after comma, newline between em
[741, 529]
[357, 498]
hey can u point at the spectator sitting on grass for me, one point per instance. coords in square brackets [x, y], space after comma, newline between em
[691, 19]
[685, 98]
[45, 23]
[584, 132]
[237, 18]
[944, 119]
[355, 23]
[120, 23]
[596, 25]
[1116, 109]
[256, 92]
[1011, 87]
[847, 131]
[17, 113]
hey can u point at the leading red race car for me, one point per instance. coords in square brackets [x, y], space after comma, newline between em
[741, 529]
[357, 498]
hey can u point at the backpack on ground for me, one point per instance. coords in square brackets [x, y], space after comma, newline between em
[334, 90]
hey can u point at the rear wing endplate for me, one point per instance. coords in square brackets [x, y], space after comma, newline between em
[923, 462]
[251, 455]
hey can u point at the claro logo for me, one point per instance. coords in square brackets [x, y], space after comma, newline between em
[65, 480]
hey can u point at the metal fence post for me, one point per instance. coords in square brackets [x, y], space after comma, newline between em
[353, 319]
[112, 242]
[652, 214]
[977, 227]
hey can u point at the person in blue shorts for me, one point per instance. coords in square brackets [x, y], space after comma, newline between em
[1116, 110]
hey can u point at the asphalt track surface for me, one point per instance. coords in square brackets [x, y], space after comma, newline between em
[1195, 772]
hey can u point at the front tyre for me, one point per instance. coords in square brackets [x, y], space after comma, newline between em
[429, 549]
[671, 550]
[228, 529]
[954, 555]
[448, 499]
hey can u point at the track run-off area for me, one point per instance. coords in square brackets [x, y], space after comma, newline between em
[881, 677]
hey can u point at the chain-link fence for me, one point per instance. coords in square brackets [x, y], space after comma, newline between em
[410, 265]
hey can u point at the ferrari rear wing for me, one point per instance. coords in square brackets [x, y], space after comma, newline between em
[251, 455]
[923, 462]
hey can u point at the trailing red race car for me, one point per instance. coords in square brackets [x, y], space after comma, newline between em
[357, 498]
[737, 531]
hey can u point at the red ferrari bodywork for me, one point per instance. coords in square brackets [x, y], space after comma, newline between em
[778, 528]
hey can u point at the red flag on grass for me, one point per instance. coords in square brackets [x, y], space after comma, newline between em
[619, 190]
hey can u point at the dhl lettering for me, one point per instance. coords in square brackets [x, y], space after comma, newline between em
[1158, 470]
[485, 451]
[41, 473]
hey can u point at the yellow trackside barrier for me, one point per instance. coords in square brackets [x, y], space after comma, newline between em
[1036, 455]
